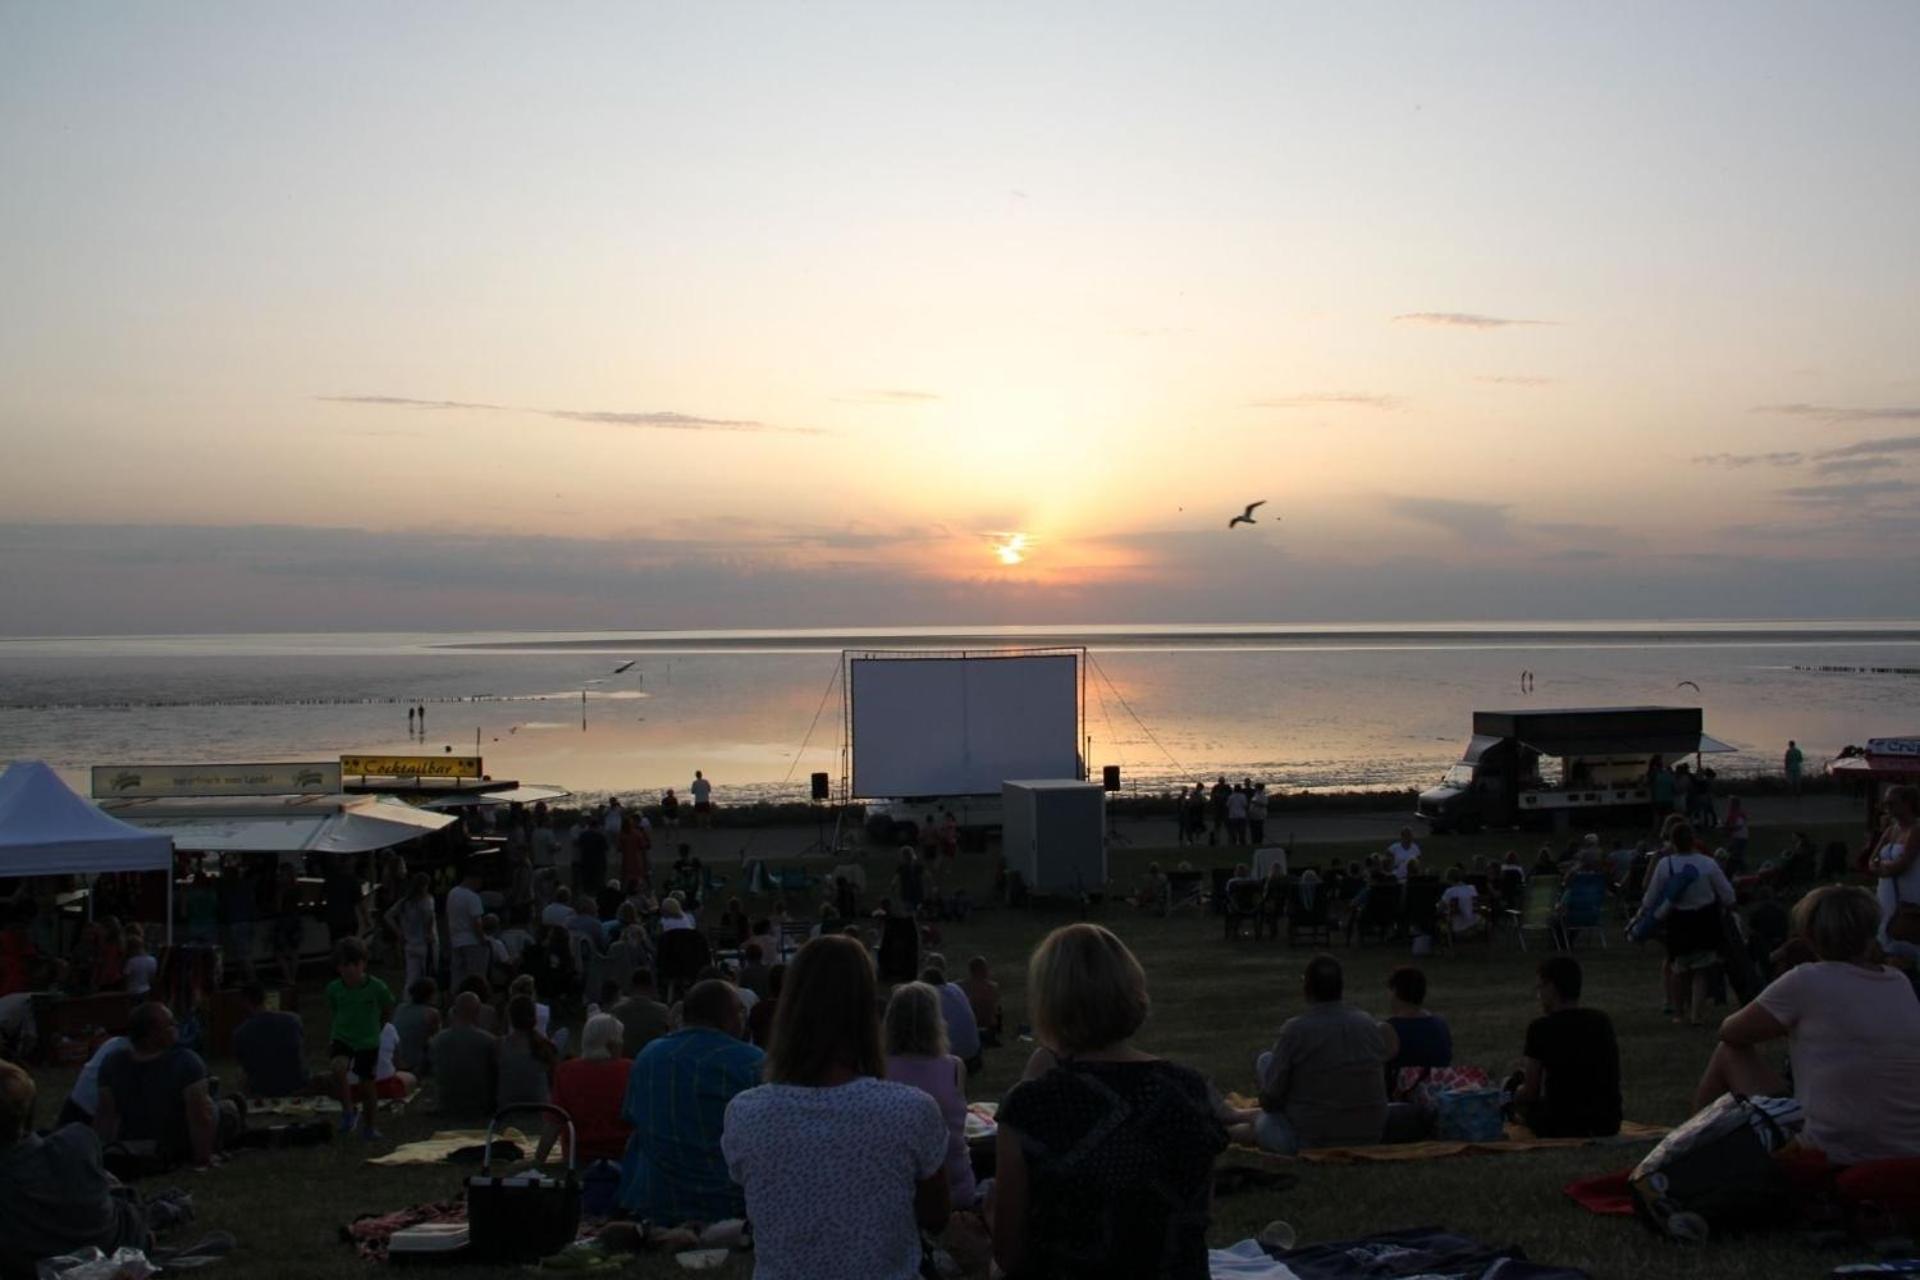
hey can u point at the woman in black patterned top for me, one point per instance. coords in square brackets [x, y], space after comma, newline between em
[1105, 1153]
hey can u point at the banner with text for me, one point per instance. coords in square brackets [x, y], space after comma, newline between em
[411, 766]
[146, 781]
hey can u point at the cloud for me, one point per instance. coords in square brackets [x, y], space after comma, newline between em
[891, 396]
[1324, 399]
[1855, 466]
[657, 419]
[1516, 380]
[1888, 444]
[1851, 491]
[1838, 413]
[1462, 320]
[1482, 521]
[1737, 460]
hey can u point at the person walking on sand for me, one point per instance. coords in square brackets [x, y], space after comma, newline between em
[1793, 762]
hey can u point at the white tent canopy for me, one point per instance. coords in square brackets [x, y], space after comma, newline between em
[283, 824]
[48, 829]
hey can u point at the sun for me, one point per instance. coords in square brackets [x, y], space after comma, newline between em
[1012, 549]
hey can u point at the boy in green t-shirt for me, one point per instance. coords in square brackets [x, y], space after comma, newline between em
[360, 1005]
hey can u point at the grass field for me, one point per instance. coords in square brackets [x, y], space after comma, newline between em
[1215, 1004]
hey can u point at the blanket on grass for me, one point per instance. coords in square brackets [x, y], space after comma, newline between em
[1518, 1138]
[1429, 1253]
[442, 1145]
[313, 1106]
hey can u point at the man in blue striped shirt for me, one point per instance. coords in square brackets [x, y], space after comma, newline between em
[676, 1100]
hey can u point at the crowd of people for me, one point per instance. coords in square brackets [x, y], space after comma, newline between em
[721, 1092]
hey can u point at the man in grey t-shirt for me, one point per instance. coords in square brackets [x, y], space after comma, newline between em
[55, 1196]
[466, 1063]
[1323, 1084]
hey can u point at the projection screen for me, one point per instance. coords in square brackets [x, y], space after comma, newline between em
[962, 725]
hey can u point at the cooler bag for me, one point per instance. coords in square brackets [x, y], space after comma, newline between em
[1468, 1115]
[1717, 1171]
[525, 1217]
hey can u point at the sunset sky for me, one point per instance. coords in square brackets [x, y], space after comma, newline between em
[635, 315]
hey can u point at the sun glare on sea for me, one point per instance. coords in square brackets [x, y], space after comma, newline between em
[1011, 549]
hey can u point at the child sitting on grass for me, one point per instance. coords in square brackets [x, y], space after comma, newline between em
[360, 1005]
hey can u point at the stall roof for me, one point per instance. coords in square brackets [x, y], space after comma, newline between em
[46, 828]
[290, 824]
[526, 793]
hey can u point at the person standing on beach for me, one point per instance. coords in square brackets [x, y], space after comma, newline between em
[1792, 762]
[1257, 814]
[702, 800]
[1217, 808]
[409, 722]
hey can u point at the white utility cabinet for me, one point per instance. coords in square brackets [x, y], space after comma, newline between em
[1054, 834]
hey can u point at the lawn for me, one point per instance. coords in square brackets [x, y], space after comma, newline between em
[1215, 1005]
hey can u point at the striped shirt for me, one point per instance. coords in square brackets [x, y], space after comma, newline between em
[676, 1102]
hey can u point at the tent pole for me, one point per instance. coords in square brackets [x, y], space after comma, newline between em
[169, 874]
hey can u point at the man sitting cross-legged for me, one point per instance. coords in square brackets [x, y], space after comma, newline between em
[677, 1099]
[55, 1195]
[156, 1100]
[1323, 1084]
[271, 1047]
[1569, 1082]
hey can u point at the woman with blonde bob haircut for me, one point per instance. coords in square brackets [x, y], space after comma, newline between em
[1852, 1028]
[826, 1107]
[1104, 1152]
[917, 1054]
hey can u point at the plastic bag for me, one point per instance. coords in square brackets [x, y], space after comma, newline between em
[91, 1264]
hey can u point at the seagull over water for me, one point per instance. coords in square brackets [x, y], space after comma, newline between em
[623, 666]
[1246, 517]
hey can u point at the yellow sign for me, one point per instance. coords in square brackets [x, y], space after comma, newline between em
[411, 766]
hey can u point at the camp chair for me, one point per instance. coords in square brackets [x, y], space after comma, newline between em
[1583, 909]
[1273, 906]
[1536, 909]
[1183, 889]
[1379, 913]
[793, 936]
[1307, 904]
[1240, 903]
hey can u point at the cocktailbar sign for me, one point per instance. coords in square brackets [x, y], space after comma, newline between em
[411, 766]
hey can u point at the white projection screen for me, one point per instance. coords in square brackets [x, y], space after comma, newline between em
[964, 725]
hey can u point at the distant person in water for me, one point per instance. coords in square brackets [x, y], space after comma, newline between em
[1793, 762]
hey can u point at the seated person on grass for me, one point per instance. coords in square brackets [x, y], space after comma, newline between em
[55, 1195]
[1423, 1039]
[1852, 1028]
[1323, 1084]
[271, 1047]
[983, 993]
[417, 1021]
[677, 1096]
[1460, 907]
[1568, 1085]
[156, 1099]
[466, 1063]
[963, 1032]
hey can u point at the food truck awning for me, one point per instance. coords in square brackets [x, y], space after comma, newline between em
[1672, 746]
[293, 824]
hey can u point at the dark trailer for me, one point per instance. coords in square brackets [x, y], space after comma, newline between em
[1547, 767]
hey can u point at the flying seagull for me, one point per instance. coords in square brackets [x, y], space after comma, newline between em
[1246, 517]
[624, 666]
[1688, 684]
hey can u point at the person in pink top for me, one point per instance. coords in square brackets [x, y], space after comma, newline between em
[916, 1036]
[1852, 1027]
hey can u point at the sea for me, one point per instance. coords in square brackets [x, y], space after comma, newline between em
[1300, 707]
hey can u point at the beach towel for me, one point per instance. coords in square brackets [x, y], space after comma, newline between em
[1517, 1138]
[1430, 1253]
[1609, 1194]
[441, 1146]
[369, 1233]
[1246, 1260]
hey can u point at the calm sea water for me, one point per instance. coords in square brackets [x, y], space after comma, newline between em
[1300, 707]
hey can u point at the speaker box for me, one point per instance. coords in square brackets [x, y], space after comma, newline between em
[1110, 777]
[820, 791]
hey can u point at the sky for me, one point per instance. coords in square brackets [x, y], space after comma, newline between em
[651, 316]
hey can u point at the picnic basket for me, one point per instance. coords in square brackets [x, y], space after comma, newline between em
[526, 1216]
